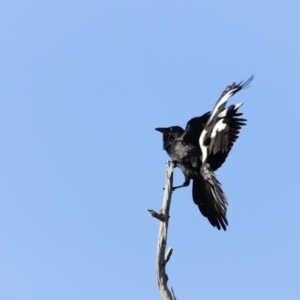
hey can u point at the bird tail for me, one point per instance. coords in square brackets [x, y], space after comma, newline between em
[211, 200]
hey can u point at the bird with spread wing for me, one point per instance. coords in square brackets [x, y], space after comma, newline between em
[202, 148]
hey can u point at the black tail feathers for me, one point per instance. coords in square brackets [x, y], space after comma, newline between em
[211, 200]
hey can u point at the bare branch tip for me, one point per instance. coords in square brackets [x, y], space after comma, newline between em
[156, 215]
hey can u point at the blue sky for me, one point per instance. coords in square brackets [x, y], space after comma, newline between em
[83, 85]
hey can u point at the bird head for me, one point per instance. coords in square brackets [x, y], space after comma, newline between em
[170, 131]
[170, 134]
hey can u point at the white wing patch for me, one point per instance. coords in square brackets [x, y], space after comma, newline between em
[218, 127]
[203, 148]
[223, 113]
[223, 100]
[237, 106]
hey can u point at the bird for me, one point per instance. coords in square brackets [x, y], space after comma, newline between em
[202, 147]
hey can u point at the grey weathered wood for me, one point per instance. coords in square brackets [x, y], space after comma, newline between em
[161, 256]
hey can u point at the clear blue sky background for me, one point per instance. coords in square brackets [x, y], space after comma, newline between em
[83, 85]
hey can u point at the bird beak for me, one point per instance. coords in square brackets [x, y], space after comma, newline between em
[163, 130]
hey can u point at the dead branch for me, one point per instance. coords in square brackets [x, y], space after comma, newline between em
[161, 256]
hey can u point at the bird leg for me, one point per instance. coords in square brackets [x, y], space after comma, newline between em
[175, 162]
[186, 183]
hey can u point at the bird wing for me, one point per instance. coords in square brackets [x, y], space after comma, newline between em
[223, 136]
[194, 128]
[222, 128]
[228, 92]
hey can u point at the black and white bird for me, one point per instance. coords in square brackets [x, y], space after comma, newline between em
[202, 148]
